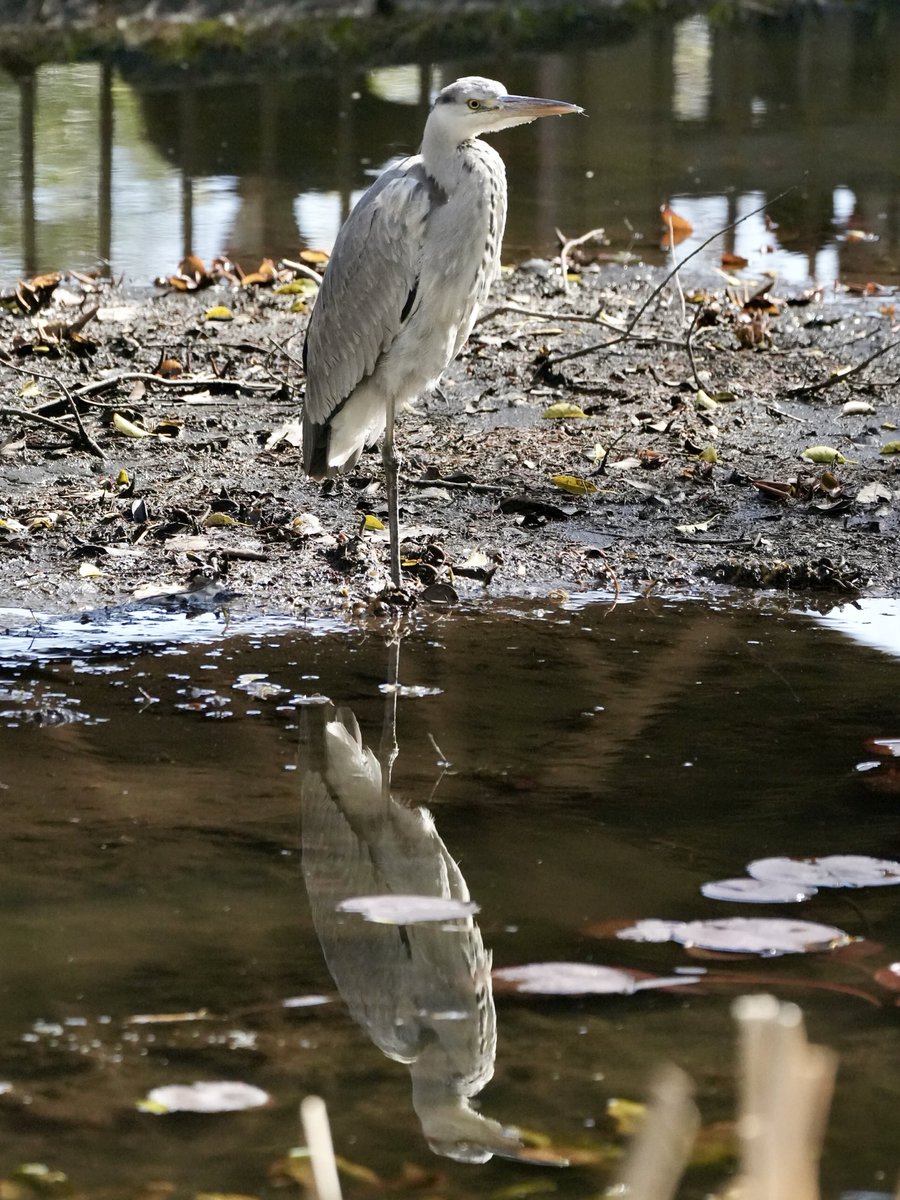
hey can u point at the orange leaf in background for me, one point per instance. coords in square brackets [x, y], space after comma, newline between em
[264, 274]
[314, 257]
[676, 228]
[733, 262]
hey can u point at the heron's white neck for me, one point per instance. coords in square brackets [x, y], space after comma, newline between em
[443, 153]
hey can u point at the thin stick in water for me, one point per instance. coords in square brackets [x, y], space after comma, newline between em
[317, 1131]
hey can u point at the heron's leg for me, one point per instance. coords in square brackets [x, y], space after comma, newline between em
[391, 461]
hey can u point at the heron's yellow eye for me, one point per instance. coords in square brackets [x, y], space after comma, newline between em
[474, 104]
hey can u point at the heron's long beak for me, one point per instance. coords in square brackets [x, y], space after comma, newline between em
[528, 108]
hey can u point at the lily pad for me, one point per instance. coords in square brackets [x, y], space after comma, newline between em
[204, 1096]
[408, 910]
[834, 870]
[757, 891]
[579, 979]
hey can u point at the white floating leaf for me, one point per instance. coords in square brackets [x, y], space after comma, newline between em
[834, 870]
[567, 979]
[407, 910]
[580, 979]
[757, 891]
[761, 935]
[204, 1097]
[650, 930]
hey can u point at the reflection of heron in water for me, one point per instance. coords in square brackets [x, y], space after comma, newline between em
[422, 992]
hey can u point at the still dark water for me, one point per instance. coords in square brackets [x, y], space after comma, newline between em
[168, 850]
[712, 118]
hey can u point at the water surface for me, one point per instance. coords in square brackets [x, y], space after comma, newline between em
[158, 808]
[134, 165]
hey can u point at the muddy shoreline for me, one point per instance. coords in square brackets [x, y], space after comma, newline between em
[685, 474]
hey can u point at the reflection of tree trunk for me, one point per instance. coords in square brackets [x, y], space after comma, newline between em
[27, 103]
[104, 199]
[345, 166]
[188, 123]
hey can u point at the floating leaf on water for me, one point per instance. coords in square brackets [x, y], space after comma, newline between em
[888, 747]
[567, 979]
[824, 454]
[580, 979]
[889, 976]
[760, 935]
[890, 448]
[652, 929]
[205, 1096]
[833, 870]
[407, 910]
[561, 410]
[756, 891]
[574, 484]
[128, 428]
[411, 691]
[219, 312]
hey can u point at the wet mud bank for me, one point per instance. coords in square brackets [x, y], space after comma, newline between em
[734, 438]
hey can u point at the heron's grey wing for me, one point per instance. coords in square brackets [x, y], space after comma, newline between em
[369, 286]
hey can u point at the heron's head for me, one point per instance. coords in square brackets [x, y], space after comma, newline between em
[473, 106]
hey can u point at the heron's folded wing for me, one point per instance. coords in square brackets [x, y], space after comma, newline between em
[369, 286]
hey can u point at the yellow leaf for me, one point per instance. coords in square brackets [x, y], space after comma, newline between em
[708, 455]
[89, 570]
[30, 387]
[123, 478]
[890, 448]
[219, 312]
[574, 484]
[128, 428]
[297, 287]
[561, 410]
[628, 1115]
[704, 402]
[219, 518]
[372, 522]
[823, 454]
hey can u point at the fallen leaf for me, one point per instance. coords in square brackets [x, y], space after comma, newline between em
[890, 448]
[574, 484]
[562, 410]
[128, 428]
[826, 454]
[219, 312]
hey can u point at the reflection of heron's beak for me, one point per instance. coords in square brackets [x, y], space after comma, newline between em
[529, 108]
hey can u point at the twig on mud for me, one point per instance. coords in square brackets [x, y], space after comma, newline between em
[182, 381]
[841, 376]
[302, 269]
[689, 346]
[572, 354]
[459, 485]
[569, 244]
[79, 433]
[280, 347]
[779, 412]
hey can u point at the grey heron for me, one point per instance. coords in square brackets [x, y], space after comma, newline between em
[411, 265]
